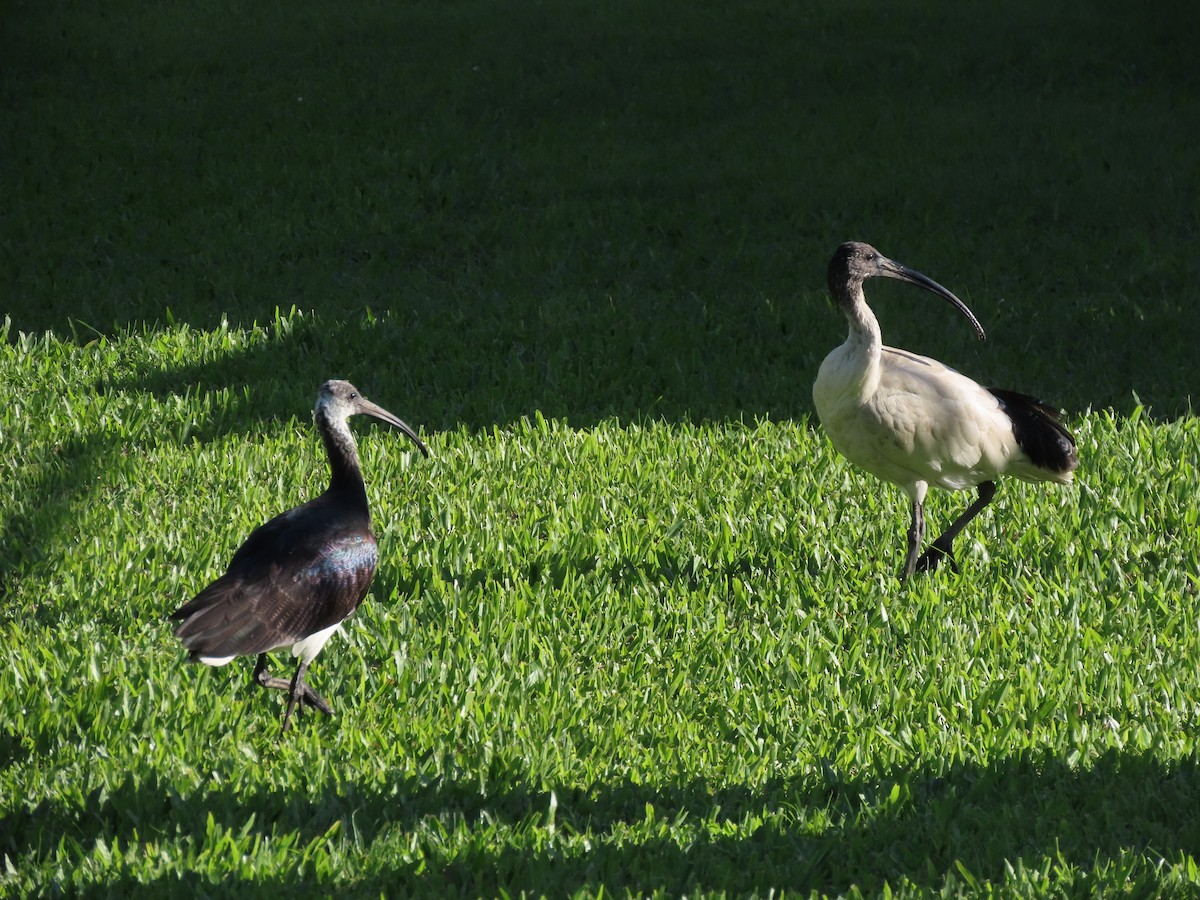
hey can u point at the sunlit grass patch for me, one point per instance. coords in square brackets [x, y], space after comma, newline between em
[628, 657]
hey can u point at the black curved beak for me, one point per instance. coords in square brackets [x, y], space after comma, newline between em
[366, 407]
[893, 269]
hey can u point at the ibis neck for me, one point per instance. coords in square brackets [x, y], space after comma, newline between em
[855, 365]
[865, 337]
[862, 321]
[345, 473]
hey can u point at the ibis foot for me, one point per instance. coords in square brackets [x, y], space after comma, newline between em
[302, 694]
[932, 558]
[299, 690]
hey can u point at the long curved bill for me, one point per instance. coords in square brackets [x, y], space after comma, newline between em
[893, 269]
[366, 407]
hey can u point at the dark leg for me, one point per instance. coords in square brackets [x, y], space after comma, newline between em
[301, 693]
[305, 695]
[265, 680]
[916, 534]
[941, 547]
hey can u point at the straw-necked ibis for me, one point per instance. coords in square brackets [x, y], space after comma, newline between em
[915, 422]
[300, 575]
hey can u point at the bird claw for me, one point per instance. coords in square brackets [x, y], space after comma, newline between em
[302, 699]
[315, 701]
[929, 560]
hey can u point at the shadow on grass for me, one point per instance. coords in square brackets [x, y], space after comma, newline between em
[839, 833]
[550, 198]
[38, 520]
[39, 524]
[453, 367]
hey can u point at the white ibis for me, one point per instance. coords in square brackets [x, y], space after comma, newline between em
[914, 422]
[300, 575]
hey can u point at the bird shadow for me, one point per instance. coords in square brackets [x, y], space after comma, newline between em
[824, 831]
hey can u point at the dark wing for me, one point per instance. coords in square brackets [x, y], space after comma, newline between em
[303, 571]
[1039, 431]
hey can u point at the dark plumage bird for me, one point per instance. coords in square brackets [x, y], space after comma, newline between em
[300, 575]
[914, 422]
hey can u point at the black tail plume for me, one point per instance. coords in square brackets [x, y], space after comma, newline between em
[1039, 431]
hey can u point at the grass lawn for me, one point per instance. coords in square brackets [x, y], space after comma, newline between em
[636, 628]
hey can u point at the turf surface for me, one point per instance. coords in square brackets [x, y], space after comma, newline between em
[636, 627]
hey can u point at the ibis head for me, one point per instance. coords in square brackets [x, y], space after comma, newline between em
[854, 262]
[337, 401]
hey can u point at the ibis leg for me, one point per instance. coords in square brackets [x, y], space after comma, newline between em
[942, 546]
[297, 688]
[264, 679]
[301, 693]
[916, 534]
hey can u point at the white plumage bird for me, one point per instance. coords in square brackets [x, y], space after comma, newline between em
[916, 423]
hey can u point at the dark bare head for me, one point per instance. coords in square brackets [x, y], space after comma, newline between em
[854, 262]
[337, 401]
